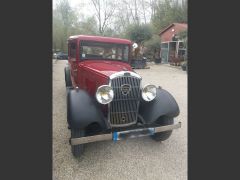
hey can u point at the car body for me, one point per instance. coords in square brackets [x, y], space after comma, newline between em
[106, 98]
[184, 66]
[60, 55]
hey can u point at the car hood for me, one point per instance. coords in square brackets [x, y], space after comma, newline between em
[107, 68]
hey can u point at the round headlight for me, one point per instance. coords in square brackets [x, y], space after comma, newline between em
[104, 94]
[149, 92]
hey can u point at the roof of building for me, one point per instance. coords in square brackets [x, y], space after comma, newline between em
[183, 25]
[100, 39]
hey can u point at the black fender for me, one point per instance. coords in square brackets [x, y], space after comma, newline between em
[82, 110]
[163, 105]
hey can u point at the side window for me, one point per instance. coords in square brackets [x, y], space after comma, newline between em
[125, 53]
[72, 49]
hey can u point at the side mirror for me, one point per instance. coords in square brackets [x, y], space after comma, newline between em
[134, 45]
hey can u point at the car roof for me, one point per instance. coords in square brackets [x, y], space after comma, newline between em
[100, 39]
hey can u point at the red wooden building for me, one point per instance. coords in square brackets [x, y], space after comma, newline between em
[172, 49]
[170, 31]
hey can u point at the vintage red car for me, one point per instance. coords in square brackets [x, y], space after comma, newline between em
[106, 99]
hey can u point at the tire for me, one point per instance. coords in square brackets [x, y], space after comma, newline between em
[68, 81]
[162, 136]
[184, 67]
[77, 150]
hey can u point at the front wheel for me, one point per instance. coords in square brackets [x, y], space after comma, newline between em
[77, 150]
[162, 136]
[68, 81]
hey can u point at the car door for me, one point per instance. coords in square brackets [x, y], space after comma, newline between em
[72, 48]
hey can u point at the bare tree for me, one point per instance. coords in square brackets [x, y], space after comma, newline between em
[139, 11]
[144, 12]
[104, 12]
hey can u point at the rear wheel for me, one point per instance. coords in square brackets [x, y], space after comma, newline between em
[77, 150]
[162, 136]
[184, 67]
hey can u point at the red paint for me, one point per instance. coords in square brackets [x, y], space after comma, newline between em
[91, 74]
[100, 39]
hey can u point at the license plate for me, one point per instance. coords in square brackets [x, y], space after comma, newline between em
[133, 133]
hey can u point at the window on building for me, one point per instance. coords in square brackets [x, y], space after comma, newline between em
[164, 45]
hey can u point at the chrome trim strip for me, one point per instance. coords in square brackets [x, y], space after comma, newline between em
[108, 113]
[121, 73]
[89, 139]
[109, 136]
[168, 127]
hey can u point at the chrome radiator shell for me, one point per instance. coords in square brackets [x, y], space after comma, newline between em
[123, 110]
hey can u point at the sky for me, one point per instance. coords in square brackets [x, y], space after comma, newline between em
[75, 3]
[78, 3]
[88, 9]
[72, 2]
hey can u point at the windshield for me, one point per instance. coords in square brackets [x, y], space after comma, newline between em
[103, 51]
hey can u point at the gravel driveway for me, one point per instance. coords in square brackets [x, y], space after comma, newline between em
[140, 158]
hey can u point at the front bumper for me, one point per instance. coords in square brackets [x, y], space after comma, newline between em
[124, 134]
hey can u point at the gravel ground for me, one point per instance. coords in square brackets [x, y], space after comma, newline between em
[140, 158]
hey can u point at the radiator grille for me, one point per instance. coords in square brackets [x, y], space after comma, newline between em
[123, 109]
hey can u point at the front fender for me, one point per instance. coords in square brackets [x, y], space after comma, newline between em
[82, 110]
[163, 105]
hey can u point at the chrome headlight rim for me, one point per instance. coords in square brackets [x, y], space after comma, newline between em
[99, 98]
[144, 95]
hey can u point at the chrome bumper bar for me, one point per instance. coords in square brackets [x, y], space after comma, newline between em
[124, 134]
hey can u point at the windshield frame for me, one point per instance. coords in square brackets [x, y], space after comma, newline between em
[116, 45]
